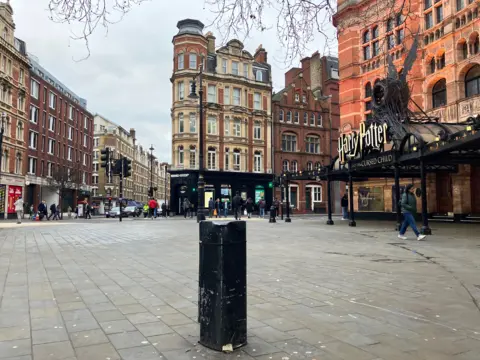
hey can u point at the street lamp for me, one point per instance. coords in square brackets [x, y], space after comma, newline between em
[165, 190]
[151, 170]
[4, 118]
[201, 182]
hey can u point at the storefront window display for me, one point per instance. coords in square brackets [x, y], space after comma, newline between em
[371, 199]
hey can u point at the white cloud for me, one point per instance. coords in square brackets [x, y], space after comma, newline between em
[127, 76]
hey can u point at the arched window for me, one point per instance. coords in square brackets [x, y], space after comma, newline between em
[286, 166]
[309, 166]
[294, 166]
[193, 157]
[439, 93]
[312, 119]
[432, 65]
[319, 120]
[289, 142]
[297, 117]
[375, 32]
[472, 81]
[474, 45]
[441, 61]
[312, 144]
[366, 36]
[368, 90]
[462, 49]
[318, 165]
[5, 161]
[305, 118]
[18, 164]
[289, 116]
[280, 115]
[180, 155]
[19, 130]
[257, 161]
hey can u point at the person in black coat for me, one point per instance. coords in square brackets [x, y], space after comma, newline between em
[344, 204]
[42, 210]
[249, 206]
[237, 206]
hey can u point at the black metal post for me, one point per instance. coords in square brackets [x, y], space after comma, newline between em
[329, 201]
[165, 190]
[397, 198]
[350, 201]
[423, 184]
[287, 197]
[121, 191]
[2, 130]
[151, 169]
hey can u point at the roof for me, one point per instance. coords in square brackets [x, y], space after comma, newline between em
[278, 96]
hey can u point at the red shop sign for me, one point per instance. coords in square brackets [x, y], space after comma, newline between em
[14, 192]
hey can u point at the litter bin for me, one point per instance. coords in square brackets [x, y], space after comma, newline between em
[222, 297]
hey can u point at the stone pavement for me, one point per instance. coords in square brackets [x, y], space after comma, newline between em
[91, 290]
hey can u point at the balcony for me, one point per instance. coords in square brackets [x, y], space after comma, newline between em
[457, 112]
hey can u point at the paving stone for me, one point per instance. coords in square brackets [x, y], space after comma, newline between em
[87, 338]
[116, 326]
[127, 339]
[14, 333]
[154, 328]
[108, 315]
[283, 324]
[141, 318]
[13, 348]
[169, 342]
[176, 319]
[270, 334]
[53, 351]
[72, 306]
[140, 353]
[132, 309]
[49, 336]
[98, 351]
[81, 325]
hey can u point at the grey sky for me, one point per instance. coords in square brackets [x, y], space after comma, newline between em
[126, 77]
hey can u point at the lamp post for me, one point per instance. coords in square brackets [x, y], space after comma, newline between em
[165, 188]
[4, 117]
[151, 170]
[201, 170]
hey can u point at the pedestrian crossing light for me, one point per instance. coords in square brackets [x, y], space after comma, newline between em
[105, 157]
[193, 189]
[270, 184]
[127, 167]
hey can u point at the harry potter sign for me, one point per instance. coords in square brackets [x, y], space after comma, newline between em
[369, 139]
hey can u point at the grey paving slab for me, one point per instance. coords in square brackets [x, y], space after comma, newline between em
[53, 351]
[97, 352]
[87, 338]
[14, 348]
[140, 353]
[49, 336]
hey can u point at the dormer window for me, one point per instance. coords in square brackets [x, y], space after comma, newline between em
[259, 75]
[297, 97]
[304, 98]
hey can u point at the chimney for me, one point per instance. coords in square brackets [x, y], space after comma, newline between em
[211, 42]
[260, 55]
[132, 134]
[316, 73]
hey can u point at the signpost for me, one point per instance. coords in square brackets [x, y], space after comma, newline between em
[371, 138]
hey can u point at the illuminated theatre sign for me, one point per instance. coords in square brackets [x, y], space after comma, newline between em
[371, 138]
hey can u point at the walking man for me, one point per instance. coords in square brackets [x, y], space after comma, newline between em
[186, 207]
[19, 209]
[261, 206]
[237, 206]
[211, 207]
[409, 209]
[344, 204]
[53, 210]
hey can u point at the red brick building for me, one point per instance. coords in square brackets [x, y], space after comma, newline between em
[444, 81]
[306, 120]
[59, 142]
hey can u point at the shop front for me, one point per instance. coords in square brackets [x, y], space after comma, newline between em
[11, 188]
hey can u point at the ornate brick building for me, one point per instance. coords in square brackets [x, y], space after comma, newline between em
[306, 120]
[444, 81]
[238, 126]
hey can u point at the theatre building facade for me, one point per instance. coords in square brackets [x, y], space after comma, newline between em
[444, 80]
[237, 119]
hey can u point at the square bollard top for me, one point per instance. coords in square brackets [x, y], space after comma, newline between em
[223, 232]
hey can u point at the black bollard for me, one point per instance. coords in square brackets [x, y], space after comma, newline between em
[222, 305]
[273, 214]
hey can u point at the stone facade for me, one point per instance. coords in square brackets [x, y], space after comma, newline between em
[306, 120]
[444, 80]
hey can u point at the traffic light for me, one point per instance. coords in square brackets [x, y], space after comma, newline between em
[117, 167]
[270, 184]
[150, 192]
[193, 189]
[105, 157]
[127, 167]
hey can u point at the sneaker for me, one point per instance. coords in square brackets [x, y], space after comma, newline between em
[402, 237]
[421, 237]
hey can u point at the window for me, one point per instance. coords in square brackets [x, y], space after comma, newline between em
[245, 71]
[313, 144]
[192, 61]
[289, 116]
[52, 100]
[32, 140]
[297, 117]
[70, 112]
[181, 125]
[259, 75]
[43, 142]
[294, 166]
[226, 96]
[70, 133]
[286, 166]
[432, 65]
[181, 61]
[51, 146]
[32, 165]
[50, 169]
[19, 130]
[69, 154]
[428, 20]
[181, 90]
[21, 103]
[439, 93]
[224, 66]
[464, 50]
[439, 12]
[95, 167]
[256, 101]
[18, 163]
[227, 160]
[304, 98]
[21, 76]
[33, 114]
[193, 123]
[390, 41]
[280, 115]
[51, 123]
[236, 160]
[309, 166]
[319, 120]
[234, 67]
[312, 119]
[236, 96]
[400, 36]
[211, 159]
[289, 142]
[5, 160]
[85, 123]
[212, 125]
[34, 89]
[180, 155]
[297, 97]
[376, 48]
[192, 157]
[257, 130]
[226, 127]
[84, 159]
[427, 4]
[389, 24]
[85, 140]
[459, 5]
[257, 162]
[472, 81]
[237, 128]
[366, 37]
[212, 94]
[441, 61]
[317, 193]
[375, 32]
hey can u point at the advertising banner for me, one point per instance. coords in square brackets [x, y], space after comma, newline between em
[2, 198]
[14, 192]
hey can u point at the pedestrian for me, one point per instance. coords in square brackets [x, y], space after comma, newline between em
[152, 204]
[57, 213]
[237, 206]
[69, 210]
[164, 210]
[249, 207]
[218, 208]
[53, 210]
[261, 206]
[145, 210]
[211, 207]
[409, 210]
[225, 207]
[42, 210]
[344, 204]
[186, 207]
[88, 210]
[19, 209]
[277, 205]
